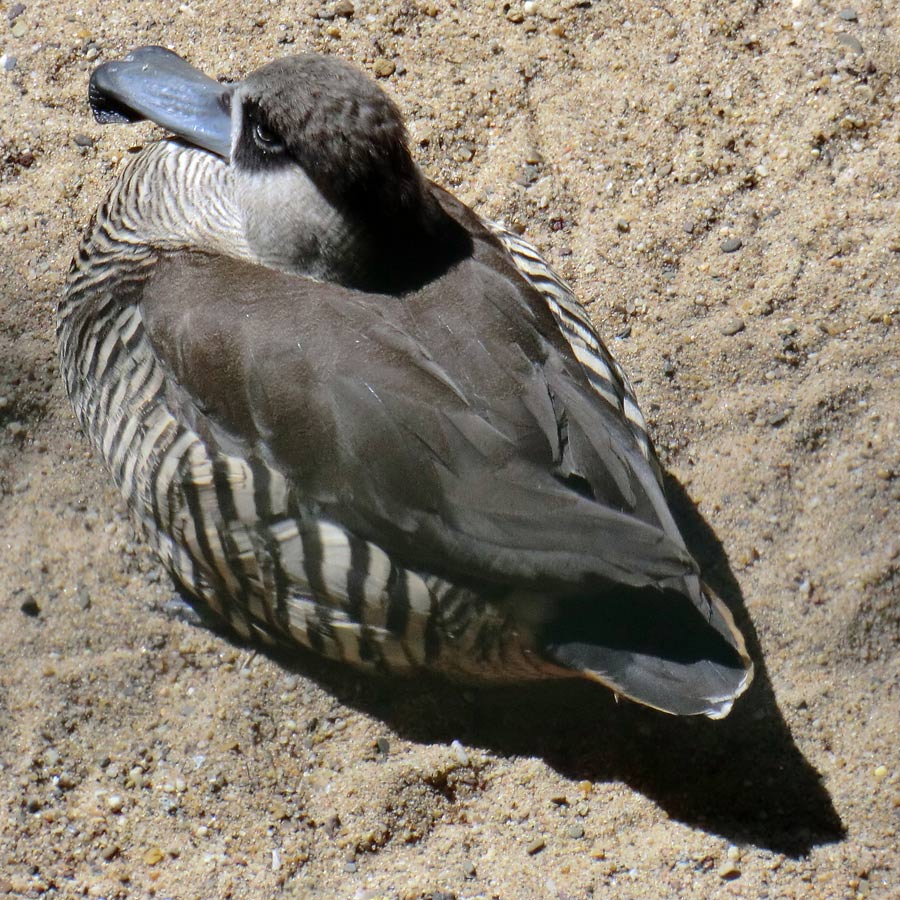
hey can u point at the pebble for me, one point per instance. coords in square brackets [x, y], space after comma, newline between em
[731, 245]
[153, 856]
[469, 869]
[848, 15]
[15, 11]
[623, 226]
[729, 870]
[459, 753]
[344, 9]
[19, 29]
[668, 368]
[535, 846]
[83, 140]
[383, 746]
[30, 607]
[848, 40]
[733, 326]
[83, 598]
[114, 803]
[350, 867]
[384, 68]
[575, 831]
[9, 62]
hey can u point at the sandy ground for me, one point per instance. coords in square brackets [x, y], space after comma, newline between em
[638, 145]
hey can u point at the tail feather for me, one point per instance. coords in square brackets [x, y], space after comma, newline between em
[655, 647]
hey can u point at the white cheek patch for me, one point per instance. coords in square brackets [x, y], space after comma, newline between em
[287, 222]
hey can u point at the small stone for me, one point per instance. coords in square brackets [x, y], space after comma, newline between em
[880, 773]
[344, 9]
[66, 782]
[849, 41]
[30, 607]
[469, 869]
[729, 870]
[384, 68]
[32, 804]
[669, 368]
[731, 245]
[16, 430]
[575, 831]
[19, 29]
[153, 856]
[459, 753]
[733, 326]
[114, 803]
[623, 226]
[383, 746]
[688, 228]
[350, 867]
[515, 16]
[848, 15]
[83, 598]
[15, 11]
[83, 140]
[535, 846]
[533, 156]
[9, 62]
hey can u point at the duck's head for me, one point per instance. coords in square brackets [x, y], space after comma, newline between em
[324, 177]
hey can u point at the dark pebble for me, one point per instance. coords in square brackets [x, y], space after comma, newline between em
[848, 40]
[30, 607]
[15, 11]
[668, 368]
[731, 245]
[848, 15]
[384, 746]
[32, 804]
[83, 140]
[10, 63]
[623, 226]
[688, 228]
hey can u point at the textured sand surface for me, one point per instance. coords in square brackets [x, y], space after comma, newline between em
[720, 183]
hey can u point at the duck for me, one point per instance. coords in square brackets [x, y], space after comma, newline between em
[352, 417]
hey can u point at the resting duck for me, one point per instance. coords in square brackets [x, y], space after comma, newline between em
[350, 414]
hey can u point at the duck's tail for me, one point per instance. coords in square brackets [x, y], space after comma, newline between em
[655, 647]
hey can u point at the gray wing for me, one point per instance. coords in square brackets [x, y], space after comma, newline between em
[451, 427]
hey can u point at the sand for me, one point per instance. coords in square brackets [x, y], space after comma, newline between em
[720, 184]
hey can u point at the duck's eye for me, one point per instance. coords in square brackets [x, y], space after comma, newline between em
[265, 138]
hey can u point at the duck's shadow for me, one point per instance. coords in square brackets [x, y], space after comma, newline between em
[743, 777]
